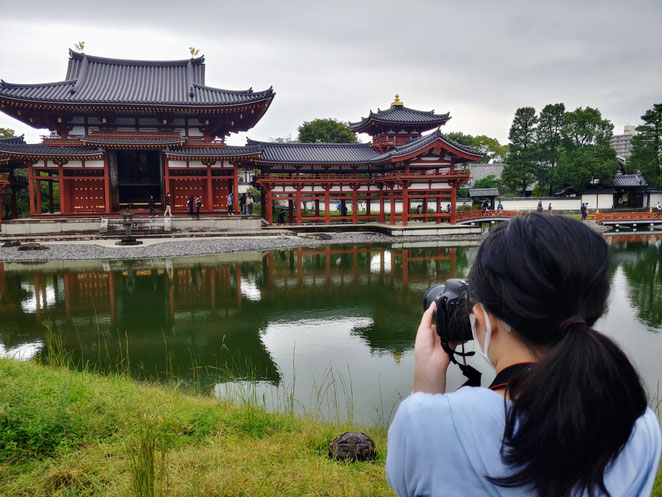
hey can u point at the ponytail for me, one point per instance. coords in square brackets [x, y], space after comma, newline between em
[571, 415]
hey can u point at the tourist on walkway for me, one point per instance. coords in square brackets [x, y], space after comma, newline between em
[198, 204]
[152, 212]
[549, 209]
[191, 205]
[499, 206]
[659, 207]
[343, 212]
[539, 208]
[249, 203]
[167, 211]
[281, 217]
[242, 203]
[567, 414]
[584, 211]
[230, 204]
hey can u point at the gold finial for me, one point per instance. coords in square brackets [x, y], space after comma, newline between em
[397, 102]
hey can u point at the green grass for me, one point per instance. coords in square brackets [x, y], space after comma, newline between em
[66, 433]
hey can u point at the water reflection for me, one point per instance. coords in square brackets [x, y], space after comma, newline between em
[286, 319]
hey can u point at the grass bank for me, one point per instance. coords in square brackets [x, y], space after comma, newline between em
[66, 433]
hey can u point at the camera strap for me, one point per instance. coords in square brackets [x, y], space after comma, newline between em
[470, 373]
[504, 376]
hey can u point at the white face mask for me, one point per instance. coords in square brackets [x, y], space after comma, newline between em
[482, 351]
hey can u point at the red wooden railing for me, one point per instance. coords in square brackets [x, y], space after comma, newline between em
[365, 177]
[479, 214]
[624, 216]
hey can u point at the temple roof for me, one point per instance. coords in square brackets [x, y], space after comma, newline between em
[418, 143]
[629, 180]
[93, 79]
[399, 115]
[227, 151]
[40, 150]
[315, 153]
[134, 142]
[12, 140]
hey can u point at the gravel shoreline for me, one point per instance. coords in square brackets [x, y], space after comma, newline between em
[95, 250]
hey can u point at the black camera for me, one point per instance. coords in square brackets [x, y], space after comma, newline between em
[453, 309]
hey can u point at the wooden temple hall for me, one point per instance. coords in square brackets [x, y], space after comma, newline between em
[124, 130]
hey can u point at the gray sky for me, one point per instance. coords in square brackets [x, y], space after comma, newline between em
[480, 60]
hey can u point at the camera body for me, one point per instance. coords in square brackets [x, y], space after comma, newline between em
[453, 308]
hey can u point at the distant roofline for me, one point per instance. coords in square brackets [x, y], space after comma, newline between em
[137, 62]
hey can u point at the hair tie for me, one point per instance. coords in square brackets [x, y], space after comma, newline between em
[570, 322]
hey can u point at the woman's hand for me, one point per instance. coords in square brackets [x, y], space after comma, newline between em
[431, 361]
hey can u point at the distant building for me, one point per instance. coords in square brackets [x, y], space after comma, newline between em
[622, 143]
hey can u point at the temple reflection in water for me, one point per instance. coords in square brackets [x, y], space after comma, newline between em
[214, 311]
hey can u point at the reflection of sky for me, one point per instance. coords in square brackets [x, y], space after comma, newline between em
[250, 290]
[376, 265]
[21, 352]
[30, 304]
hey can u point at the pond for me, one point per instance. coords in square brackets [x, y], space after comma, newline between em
[324, 331]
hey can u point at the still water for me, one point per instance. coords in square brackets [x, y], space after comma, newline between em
[326, 331]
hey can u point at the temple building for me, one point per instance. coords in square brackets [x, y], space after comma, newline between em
[124, 130]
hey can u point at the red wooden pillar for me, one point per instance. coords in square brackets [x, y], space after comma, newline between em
[235, 189]
[210, 197]
[63, 190]
[327, 205]
[106, 186]
[392, 194]
[438, 209]
[405, 205]
[266, 206]
[166, 179]
[382, 215]
[297, 197]
[425, 209]
[31, 188]
[355, 206]
[317, 208]
[453, 206]
[38, 191]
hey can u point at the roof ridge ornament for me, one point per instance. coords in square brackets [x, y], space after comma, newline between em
[397, 102]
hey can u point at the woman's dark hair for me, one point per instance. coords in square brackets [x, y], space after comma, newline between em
[572, 413]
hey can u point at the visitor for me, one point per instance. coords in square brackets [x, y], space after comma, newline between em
[584, 211]
[242, 203]
[191, 205]
[343, 212]
[570, 417]
[485, 206]
[230, 204]
[339, 206]
[249, 203]
[499, 206]
[198, 204]
[448, 208]
[152, 212]
[549, 209]
[539, 208]
[168, 211]
[659, 207]
[281, 217]
[419, 209]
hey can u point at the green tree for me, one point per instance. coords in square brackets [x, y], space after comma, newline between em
[6, 133]
[587, 156]
[488, 182]
[550, 140]
[325, 131]
[493, 150]
[646, 155]
[521, 161]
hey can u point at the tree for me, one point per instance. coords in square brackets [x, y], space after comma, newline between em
[6, 133]
[493, 150]
[550, 140]
[521, 161]
[646, 155]
[488, 182]
[283, 139]
[587, 155]
[325, 131]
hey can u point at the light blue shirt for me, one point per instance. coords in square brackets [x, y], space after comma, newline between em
[444, 445]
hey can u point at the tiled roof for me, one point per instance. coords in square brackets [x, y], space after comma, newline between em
[102, 80]
[39, 149]
[12, 139]
[315, 153]
[630, 180]
[423, 141]
[483, 192]
[227, 151]
[400, 115]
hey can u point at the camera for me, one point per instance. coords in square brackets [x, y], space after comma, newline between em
[453, 309]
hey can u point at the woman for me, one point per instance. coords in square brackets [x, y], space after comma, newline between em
[574, 419]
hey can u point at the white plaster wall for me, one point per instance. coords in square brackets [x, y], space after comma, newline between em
[176, 163]
[72, 163]
[94, 163]
[655, 198]
[599, 200]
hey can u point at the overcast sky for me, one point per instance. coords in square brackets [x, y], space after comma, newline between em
[480, 60]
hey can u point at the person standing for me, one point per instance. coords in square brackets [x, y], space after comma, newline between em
[659, 207]
[499, 206]
[191, 204]
[249, 203]
[549, 209]
[230, 204]
[198, 204]
[152, 212]
[242, 203]
[539, 209]
[167, 211]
